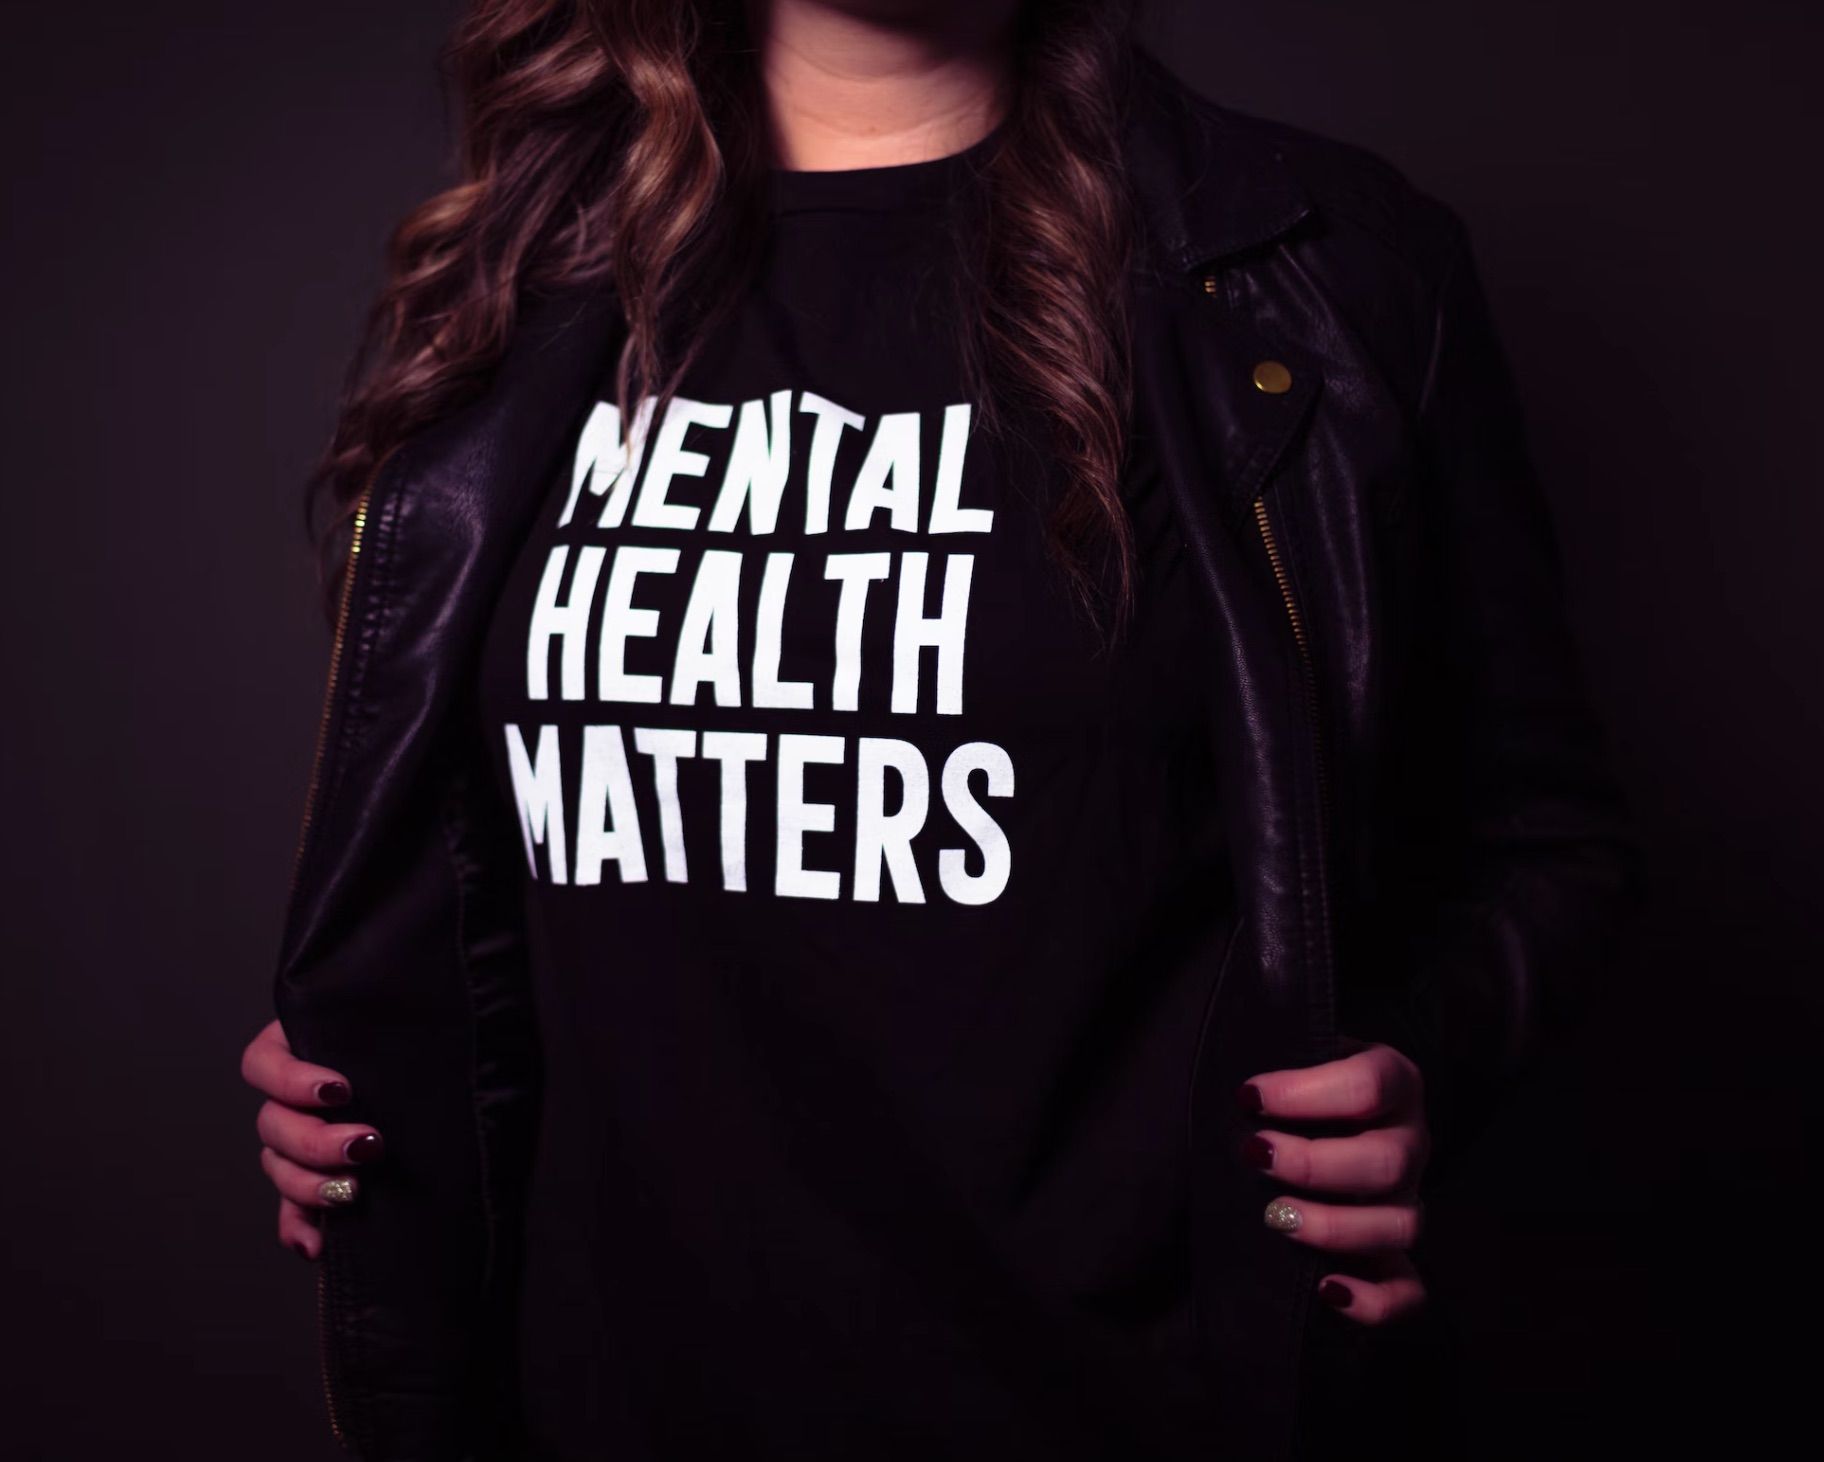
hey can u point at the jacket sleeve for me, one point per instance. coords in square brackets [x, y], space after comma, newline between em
[403, 965]
[1508, 866]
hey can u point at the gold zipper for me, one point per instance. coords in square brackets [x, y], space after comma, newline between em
[329, 1390]
[335, 668]
[343, 601]
[1284, 579]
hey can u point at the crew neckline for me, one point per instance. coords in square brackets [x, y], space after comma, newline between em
[887, 186]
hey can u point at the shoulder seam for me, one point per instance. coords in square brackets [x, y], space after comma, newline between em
[1458, 249]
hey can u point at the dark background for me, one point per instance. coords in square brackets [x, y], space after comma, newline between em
[195, 196]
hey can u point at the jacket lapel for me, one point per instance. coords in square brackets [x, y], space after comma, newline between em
[444, 520]
[1210, 190]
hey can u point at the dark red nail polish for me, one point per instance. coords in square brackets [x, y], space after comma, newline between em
[1333, 1292]
[1257, 1151]
[365, 1148]
[332, 1093]
[1247, 1097]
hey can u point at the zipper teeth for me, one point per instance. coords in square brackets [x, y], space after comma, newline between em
[329, 1390]
[1284, 580]
[329, 690]
[343, 600]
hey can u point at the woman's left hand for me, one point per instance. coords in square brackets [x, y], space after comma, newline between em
[1378, 1090]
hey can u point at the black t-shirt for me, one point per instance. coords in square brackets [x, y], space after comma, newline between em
[873, 909]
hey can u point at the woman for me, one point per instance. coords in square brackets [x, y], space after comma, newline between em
[952, 773]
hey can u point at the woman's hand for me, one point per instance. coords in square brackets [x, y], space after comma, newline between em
[307, 1157]
[1379, 1091]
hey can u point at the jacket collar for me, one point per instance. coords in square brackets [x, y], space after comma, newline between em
[1207, 183]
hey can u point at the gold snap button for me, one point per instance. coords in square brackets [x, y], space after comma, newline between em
[1273, 378]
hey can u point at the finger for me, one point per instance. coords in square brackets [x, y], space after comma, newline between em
[297, 1232]
[313, 1143]
[1395, 1296]
[1350, 1228]
[1378, 1162]
[1362, 1087]
[268, 1065]
[306, 1186]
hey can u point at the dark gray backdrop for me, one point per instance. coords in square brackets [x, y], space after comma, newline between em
[195, 194]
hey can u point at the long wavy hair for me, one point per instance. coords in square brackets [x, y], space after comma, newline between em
[622, 144]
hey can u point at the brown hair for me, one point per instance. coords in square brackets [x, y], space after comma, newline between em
[620, 143]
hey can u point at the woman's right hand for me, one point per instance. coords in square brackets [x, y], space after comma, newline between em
[309, 1158]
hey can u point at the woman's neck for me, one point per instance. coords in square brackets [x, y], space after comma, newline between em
[874, 83]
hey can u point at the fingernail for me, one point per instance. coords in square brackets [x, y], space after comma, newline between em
[1247, 1097]
[365, 1148]
[332, 1093]
[1282, 1216]
[1334, 1292]
[1257, 1151]
[336, 1190]
[299, 1250]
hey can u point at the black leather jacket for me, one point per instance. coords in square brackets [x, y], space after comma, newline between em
[1429, 846]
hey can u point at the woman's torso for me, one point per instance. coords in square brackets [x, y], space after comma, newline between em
[864, 1129]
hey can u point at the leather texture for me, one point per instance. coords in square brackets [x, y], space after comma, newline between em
[1429, 843]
